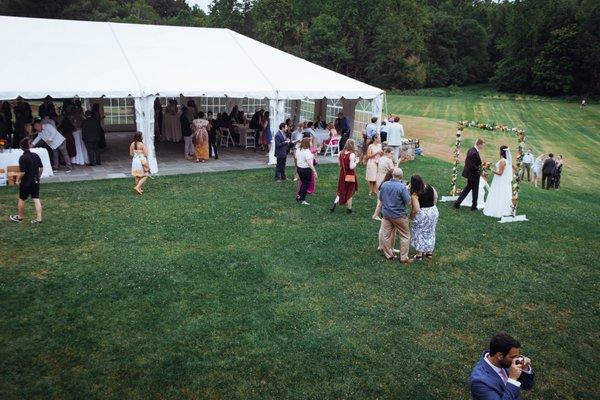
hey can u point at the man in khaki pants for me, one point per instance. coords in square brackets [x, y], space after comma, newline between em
[395, 199]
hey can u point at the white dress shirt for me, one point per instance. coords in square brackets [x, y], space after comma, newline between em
[503, 374]
[50, 135]
[395, 134]
[528, 158]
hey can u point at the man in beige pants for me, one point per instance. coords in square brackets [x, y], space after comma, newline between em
[395, 199]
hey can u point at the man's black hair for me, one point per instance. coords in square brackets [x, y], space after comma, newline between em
[502, 343]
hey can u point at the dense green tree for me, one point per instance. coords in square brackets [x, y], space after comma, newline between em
[399, 44]
[322, 43]
[192, 17]
[232, 14]
[554, 66]
[274, 23]
[169, 8]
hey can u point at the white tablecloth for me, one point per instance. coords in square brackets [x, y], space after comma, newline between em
[81, 158]
[11, 158]
[172, 128]
[322, 135]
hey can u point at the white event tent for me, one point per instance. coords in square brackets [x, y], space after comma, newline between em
[65, 59]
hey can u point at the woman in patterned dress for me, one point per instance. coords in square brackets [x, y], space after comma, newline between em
[201, 126]
[347, 182]
[424, 217]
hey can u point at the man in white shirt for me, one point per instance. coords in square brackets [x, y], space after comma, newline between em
[528, 161]
[394, 137]
[501, 372]
[54, 140]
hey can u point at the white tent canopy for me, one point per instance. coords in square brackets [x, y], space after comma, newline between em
[101, 59]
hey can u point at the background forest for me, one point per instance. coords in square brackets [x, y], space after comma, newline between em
[546, 47]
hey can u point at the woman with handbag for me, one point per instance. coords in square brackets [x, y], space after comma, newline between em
[347, 183]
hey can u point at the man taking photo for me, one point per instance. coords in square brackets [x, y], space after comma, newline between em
[502, 372]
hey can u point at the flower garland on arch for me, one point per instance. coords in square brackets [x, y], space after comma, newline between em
[520, 133]
[459, 130]
[516, 186]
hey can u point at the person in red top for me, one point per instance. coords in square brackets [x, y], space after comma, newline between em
[347, 182]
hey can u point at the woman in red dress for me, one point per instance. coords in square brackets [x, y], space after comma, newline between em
[347, 182]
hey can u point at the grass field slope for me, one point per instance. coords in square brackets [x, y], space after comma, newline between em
[219, 286]
[551, 125]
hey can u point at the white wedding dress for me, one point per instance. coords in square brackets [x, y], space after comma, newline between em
[499, 201]
[468, 201]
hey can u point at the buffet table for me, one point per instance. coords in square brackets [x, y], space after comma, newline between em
[10, 158]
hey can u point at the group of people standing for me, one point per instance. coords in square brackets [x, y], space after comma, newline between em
[56, 130]
[397, 202]
[546, 167]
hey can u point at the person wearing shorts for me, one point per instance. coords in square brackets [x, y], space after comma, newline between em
[31, 168]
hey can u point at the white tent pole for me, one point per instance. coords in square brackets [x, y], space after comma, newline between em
[277, 116]
[376, 108]
[144, 119]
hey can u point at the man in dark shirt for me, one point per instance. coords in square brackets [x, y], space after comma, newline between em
[91, 133]
[31, 168]
[212, 136]
[548, 171]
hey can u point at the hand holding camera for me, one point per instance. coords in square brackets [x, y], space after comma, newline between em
[515, 370]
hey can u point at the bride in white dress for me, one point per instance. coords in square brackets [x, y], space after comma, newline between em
[483, 187]
[499, 201]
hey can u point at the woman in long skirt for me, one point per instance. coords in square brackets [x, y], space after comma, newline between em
[347, 182]
[424, 217]
[200, 126]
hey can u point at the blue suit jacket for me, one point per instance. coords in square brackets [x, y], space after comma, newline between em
[281, 147]
[487, 385]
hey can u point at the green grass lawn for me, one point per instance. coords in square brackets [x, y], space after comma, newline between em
[552, 125]
[220, 286]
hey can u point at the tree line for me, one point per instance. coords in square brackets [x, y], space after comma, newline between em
[547, 47]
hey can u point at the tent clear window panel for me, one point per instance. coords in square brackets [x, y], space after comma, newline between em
[249, 106]
[362, 116]
[119, 111]
[214, 104]
[307, 110]
[334, 107]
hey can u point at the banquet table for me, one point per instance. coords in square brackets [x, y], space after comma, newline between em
[81, 158]
[322, 135]
[10, 157]
[172, 128]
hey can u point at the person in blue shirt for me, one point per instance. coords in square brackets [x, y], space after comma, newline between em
[395, 199]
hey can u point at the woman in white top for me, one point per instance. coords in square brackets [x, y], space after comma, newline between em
[305, 168]
[537, 168]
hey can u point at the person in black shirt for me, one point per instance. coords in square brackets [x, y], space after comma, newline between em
[212, 136]
[31, 168]
[186, 133]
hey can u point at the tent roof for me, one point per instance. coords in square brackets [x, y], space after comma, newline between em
[64, 58]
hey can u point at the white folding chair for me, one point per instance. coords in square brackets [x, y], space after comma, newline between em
[226, 137]
[333, 147]
[249, 139]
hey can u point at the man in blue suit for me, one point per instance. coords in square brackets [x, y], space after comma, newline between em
[502, 372]
[282, 145]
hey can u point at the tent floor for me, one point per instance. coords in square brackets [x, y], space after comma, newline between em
[116, 162]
